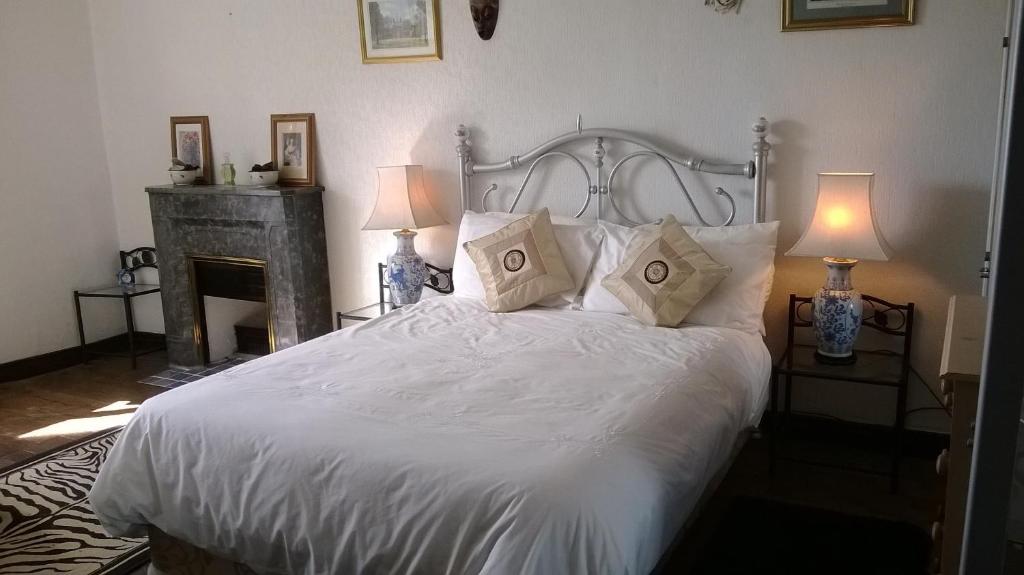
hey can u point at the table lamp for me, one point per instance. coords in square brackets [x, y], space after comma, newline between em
[843, 231]
[402, 204]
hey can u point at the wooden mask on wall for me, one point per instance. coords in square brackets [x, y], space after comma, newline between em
[485, 16]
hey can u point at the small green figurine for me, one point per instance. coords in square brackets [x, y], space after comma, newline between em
[227, 170]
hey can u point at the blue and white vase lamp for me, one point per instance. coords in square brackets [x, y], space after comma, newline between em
[402, 204]
[843, 231]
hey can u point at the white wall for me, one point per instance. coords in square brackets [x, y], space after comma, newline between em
[57, 230]
[915, 104]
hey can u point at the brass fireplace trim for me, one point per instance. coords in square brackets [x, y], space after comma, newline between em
[197, 330]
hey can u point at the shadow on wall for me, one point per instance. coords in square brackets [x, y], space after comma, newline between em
[347, 246]
[946, 235]
[786, 169]
[437, 244]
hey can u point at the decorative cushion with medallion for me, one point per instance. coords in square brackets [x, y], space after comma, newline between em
[664, 274]
[520, 263]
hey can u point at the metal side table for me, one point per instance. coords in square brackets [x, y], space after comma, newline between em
[126, 294]
[876, 368]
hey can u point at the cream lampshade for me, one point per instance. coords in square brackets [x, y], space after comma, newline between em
[402, 204]
[843, 231]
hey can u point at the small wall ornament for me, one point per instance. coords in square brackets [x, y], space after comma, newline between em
[723, 6]
[485, 17]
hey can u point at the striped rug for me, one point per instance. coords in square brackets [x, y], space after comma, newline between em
[46, 525]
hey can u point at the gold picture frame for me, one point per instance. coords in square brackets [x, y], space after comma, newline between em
[845, 14]
[190, 137]
[413, 40]
[293, 148]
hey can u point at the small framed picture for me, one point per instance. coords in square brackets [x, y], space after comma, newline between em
[823, 14]
[293, 148]
[190, 143]
[399, 30]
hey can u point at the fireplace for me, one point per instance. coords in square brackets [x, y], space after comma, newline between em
[256, 244]
[234, 278]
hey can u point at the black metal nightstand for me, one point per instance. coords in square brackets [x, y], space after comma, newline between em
[877, 368]
[138, 344]
[346, 318]
[438, 279]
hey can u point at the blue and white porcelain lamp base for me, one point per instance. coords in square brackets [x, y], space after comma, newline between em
[406, 271]
[838, 311]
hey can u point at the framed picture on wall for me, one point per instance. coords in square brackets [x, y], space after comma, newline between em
[823, 14]
[190, 143]
[293, 148]
[399, 30]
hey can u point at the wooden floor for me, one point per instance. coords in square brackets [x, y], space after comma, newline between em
[71, 398]
[824, 488]
[45, 412]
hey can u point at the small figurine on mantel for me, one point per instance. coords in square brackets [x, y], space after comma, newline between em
[227, 171]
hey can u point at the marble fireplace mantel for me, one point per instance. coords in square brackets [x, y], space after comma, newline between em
[283, 227]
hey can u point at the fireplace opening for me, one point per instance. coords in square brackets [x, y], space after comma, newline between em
[229, 299]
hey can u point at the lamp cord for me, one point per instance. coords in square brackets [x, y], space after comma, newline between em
[938, 400]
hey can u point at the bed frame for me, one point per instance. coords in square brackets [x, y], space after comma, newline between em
[602, 185]
[171, 556]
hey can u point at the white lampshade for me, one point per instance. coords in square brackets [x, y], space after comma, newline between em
[843, 224]
[402, 202]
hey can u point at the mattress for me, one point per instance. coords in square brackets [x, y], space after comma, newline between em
[442, 438]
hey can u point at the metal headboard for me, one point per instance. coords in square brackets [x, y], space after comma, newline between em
[603, 184]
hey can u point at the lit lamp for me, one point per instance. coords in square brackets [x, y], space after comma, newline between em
[843, 232]
[402, 204]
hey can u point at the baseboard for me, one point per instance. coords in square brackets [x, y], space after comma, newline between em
[916, 443]
[56, 360]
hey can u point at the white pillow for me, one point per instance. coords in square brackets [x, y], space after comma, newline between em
[611, 254]
[578, 240]
[738, 302]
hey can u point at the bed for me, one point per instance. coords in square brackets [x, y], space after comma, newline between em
[540, 441]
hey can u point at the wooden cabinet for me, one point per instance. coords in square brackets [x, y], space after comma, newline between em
[960, 372]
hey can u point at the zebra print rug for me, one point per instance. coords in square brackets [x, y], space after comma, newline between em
[46, 525]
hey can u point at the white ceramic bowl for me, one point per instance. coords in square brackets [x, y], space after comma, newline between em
[263, 178]
[182, 177]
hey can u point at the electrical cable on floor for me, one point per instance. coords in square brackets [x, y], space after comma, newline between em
[821, 415]
[942, 404]
[913, 370]
[916, 409]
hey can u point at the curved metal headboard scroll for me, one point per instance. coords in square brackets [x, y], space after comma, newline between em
[679, 182]
[754, 169]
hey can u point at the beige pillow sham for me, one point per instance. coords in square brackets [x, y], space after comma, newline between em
[664, 274]
[520, 264]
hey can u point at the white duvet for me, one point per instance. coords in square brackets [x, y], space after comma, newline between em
[443, 438]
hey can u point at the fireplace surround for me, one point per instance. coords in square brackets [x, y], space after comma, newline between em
[242, 242]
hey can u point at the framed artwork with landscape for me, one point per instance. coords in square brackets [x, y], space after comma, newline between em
[190, 143]
[824, 14]
[293, 148]
[399, 30]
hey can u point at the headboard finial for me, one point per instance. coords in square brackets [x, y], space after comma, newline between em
[464, 151]
[761, 150]
[760, 129]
